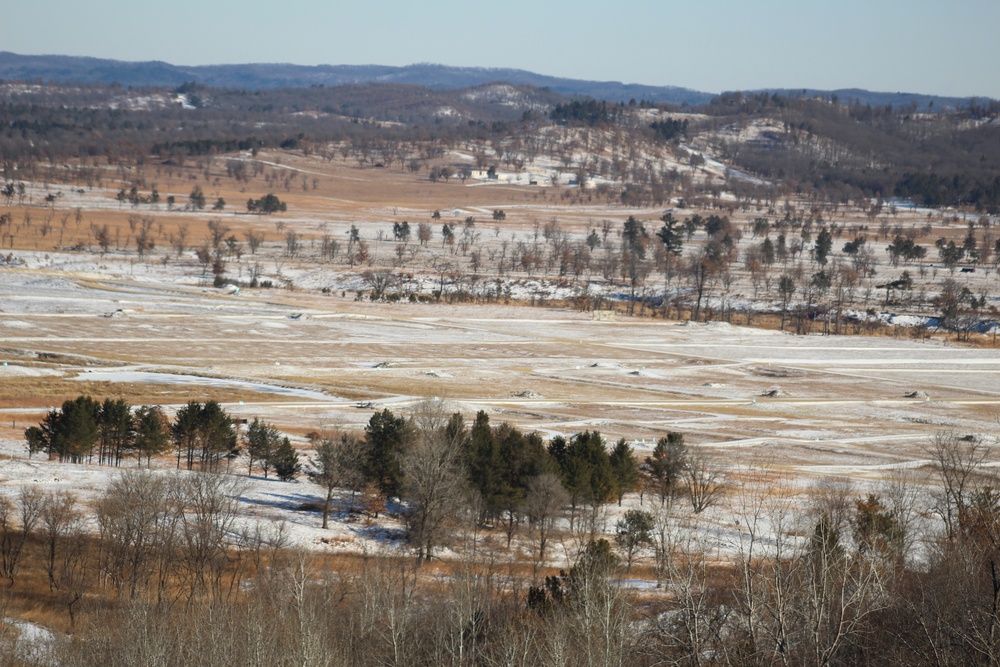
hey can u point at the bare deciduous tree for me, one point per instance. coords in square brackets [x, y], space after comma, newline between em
[208, 506]
[16, 523]
[338, 462]
[136, 522]
[59, 517]
[704, 485]
[543, 504]
[433, 477]
[254, 240]
[957, 462]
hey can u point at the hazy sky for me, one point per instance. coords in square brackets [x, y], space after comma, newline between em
[923, 46]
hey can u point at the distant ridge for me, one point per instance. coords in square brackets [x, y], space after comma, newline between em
[877, 99]
[73, 69]
[254, 76]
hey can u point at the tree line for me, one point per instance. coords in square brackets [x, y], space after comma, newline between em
[436, 465]
[203, 435]
[426, 465]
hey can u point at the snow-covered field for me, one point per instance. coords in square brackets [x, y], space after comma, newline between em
[813, 407]
[631, 377]
[776, 414]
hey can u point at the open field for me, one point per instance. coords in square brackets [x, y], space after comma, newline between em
[813, 405]
[538, 241]
[776, 414]
[317, 354]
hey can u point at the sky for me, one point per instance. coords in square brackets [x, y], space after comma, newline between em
[918, 46]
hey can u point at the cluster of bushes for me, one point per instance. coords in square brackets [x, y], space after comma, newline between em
[269, 203]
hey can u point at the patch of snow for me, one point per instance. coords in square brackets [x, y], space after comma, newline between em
[34, 644]
[15, 370]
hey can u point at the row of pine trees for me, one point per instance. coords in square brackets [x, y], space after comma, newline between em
[514, 476]
[111, 432]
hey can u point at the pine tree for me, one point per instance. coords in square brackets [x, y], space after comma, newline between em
[115, 430]
[522, 457]
[203, 430]
[184, 432]
[483, 462]
[286, 461]
[667, 463]
[632, 532]
[670, 234]
[388, 437]
[586, 471]
[197, 198]
[218, 438]
[824, 243]
[152, 432]
[624, 468]
[76, 430]
[262, 444]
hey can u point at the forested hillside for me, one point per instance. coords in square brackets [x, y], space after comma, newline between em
[836, 148]
[938, 159]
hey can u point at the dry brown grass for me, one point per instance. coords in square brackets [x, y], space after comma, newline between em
[344, 193]
[31, 599]
[44, 393]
